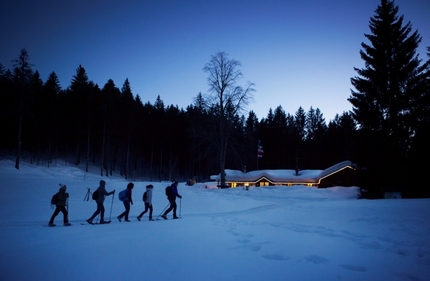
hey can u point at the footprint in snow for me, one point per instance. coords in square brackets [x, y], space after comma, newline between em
[316, 259]
[243, 240]
[275, 257]
[352, 267]
[254, 247]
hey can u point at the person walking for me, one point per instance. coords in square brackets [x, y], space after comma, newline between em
[147, 199]
[127, 201]
[172, 193]
[60, 206]
[100, 199]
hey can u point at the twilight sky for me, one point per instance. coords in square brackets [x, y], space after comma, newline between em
[297, 53]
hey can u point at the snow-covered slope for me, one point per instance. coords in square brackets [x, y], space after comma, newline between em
[272, 233]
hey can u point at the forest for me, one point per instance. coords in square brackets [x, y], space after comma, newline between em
[112, 127]
[109, 126]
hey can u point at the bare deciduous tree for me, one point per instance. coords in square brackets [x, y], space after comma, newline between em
[227, 98]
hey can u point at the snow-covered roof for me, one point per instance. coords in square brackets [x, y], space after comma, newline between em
[285, 176]
[336, 168]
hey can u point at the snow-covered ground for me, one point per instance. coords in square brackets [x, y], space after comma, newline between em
[271, 233]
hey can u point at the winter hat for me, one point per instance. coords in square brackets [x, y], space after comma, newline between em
[102, 183]
[62, 186]
[150, 186]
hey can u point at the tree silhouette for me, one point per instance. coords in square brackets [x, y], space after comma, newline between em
[385, 95]
[22, 75]
[51, 107]
[227, 99]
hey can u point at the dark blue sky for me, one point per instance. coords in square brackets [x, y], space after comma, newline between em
[298, 53]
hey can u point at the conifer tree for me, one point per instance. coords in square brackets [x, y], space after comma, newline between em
[22, 75]
[300, 122]
[51, 91]
[387, 90]
[77, 113]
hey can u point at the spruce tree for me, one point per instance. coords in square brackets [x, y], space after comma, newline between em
[22, 75]
[386, 93]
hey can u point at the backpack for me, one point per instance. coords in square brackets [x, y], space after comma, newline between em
[54, 199]
[169, 192]
[145, 196]
[95, 194]
[122, 195]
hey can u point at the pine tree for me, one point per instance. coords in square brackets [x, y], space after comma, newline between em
[78, 108]
[129, 114]
[51, 92]
[300, 121]
[386, 92]
[22, 75]
[387, 86]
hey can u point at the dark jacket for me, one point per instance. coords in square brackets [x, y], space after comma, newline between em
[174, 192]
[102, 194]
[128, 196]
[62, 196]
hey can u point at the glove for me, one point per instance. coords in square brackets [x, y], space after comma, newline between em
[180, 197]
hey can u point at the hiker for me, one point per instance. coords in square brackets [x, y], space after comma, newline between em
[127, 201]
[60, 206]
[172, 193]
[100, 198]
[147, 199]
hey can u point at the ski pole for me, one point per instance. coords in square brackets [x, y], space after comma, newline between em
[111, 205]
[162, 211]
[180, 207]
[67, 209]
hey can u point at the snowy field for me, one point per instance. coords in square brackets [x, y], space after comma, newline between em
[273, 233]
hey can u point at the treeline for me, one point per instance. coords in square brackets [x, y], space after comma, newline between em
[386, 133]
[113, 128]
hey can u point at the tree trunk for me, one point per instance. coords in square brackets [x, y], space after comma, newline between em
[18, 147]
[103, 149]
[88, 149]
